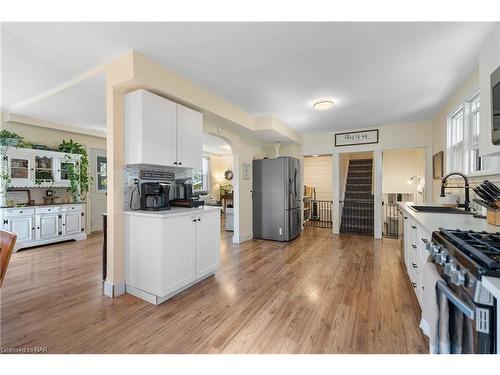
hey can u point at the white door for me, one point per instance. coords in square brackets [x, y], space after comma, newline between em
[159, 130]
[99, 168]
[21, 170]
[72, 223]
[179, 252]
[23, 227]
[207, 244]
[189, 131]
[49, 226]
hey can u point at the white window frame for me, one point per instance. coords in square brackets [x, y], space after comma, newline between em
[205, 174]
[469, 143]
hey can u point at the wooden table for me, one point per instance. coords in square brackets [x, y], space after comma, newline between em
[224, 198]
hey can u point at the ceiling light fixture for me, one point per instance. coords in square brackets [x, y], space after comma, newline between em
[323, 105]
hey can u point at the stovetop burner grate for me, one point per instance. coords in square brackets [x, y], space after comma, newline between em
[482, 246]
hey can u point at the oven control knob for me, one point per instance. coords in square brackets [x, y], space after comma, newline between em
[458, 277]
[450, 267]
[442, 257]
[433, 249]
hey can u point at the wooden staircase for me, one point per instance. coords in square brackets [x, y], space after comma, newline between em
[357, 213]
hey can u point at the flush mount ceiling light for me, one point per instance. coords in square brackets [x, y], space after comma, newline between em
[323, 105]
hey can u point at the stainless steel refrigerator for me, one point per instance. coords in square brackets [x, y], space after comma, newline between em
[276, 199]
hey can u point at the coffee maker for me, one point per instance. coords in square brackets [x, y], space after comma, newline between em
[184, 196]
[183, 188]
[155, 196]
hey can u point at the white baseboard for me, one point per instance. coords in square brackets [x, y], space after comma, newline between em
[242, 237]
[114, 290]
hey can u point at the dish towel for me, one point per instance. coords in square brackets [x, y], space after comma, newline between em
[443, 324]
[430, 308]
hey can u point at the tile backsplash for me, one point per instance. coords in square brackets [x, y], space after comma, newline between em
[131, 172]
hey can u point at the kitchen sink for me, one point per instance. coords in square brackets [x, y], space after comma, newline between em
[440, 210]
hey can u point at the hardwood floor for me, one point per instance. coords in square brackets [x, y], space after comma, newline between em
[321, 293]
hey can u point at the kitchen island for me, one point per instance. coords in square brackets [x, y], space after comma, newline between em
[169, 251]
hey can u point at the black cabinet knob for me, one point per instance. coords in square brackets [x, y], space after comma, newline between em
[199, 219]
[180, 163]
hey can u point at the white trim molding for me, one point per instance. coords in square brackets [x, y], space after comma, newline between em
[114, 290]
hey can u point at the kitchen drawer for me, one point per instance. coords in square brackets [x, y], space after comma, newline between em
[19, 212]
[46, 210]
[72, 207]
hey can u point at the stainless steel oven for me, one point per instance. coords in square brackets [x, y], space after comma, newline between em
[461, 259]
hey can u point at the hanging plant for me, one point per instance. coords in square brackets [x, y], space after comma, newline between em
[4, 175]
[78, 172]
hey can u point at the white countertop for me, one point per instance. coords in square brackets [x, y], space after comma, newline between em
[433, 221]
[173, 212]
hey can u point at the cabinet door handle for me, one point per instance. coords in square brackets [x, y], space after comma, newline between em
[175, 162]
[414, 246]
[414, 284]
[414, 265]
[194, 221]
[414, 227]
[424, 240]
[180, 163]
[199, 219]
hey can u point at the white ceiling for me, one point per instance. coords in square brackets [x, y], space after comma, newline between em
[83, 105]
[377, 73]
[215, 146]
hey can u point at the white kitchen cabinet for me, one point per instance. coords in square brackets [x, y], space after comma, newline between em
[207, 244]
[21, 171]
[49, 226]
[179, 252]
[62, 166]
[40, 225]
[72, 223]
[150, 129]
[189, 130]
[159, 131]
[165, 254]
[23, 226]
[38, 168]
[489, 61]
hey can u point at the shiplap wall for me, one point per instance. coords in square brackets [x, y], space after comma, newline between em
[318, 173]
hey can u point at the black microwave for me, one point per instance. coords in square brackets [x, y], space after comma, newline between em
[495, 107]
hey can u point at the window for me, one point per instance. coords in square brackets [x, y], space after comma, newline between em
[200, 177]
[463, 141]
[102, 174]
[455, 149]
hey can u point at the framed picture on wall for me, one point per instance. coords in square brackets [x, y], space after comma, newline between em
[437, 165]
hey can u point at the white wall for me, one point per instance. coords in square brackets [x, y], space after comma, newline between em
[318, 173]
[397, 168]
[217, 166]
[245, 148]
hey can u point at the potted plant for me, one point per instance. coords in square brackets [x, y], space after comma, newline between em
[78, 172]
[11, 139]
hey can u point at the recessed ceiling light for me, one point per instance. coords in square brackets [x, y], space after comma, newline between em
[323, 105]
[226, 147]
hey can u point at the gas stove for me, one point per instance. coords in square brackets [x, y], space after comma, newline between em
[479, 252]
[462, 258]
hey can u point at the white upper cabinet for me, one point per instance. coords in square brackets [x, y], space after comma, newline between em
[189, 130]
[489, 61]
[161, 132]
[21, 171]
[29, 167]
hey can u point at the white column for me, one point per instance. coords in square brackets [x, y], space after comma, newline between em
[377, 194]
[336, 193]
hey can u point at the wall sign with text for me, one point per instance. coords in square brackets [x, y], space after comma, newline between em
[356, 138]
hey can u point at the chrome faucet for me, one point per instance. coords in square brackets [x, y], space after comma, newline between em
[466, 187]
